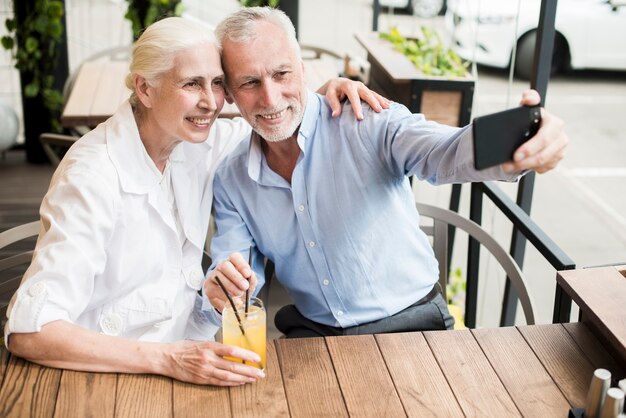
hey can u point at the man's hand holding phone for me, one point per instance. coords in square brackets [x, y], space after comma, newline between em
[543, 151]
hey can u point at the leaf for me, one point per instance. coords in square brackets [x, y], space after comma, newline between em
[48, 81]
[52, 98]
[55, 10]
[31, 44]
[55, 30]
[179, 9]
[10, 24]
[31, 89]
[56, 126]
[428, 53]
[151, 16]
[7, 42]
[41, 24]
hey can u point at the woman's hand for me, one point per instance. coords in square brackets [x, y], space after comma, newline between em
[340, 88]
[203, 363]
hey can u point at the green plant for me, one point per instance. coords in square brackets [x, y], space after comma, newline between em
[428, 53]
[253, 3]
[455, 289]
[34, 44]
[143, 13]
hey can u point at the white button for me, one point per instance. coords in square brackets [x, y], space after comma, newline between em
[111, 324]
[36, 289]
[301, 208]
[326, 282]
[311, 244]
[339, 313]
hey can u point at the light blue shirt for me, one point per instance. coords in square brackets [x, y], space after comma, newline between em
[344, 235]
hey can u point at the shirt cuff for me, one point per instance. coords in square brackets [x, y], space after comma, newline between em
[201, 327]
[29, 312]
[209, 311]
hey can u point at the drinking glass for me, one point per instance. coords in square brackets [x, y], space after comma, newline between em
[250, 334]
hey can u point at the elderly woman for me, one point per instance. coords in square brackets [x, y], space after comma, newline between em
[114, 281]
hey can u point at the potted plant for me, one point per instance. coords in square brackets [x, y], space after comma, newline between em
[36, 39]
[420, 73]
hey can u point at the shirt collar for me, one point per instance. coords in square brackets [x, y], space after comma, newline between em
[309, 120]
[305, 131]
[134, 166]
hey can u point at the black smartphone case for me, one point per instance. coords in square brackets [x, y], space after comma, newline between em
[498, 135]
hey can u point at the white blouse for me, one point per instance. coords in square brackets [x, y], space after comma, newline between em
[109, 256]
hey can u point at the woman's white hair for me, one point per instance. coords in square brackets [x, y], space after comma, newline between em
[153, 53]
[240, 27]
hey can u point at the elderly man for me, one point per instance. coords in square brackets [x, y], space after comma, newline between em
[328, 200]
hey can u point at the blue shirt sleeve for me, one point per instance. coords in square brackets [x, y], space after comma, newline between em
[408, 144]
[232, 233]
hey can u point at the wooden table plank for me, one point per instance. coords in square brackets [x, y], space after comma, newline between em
[363, 377]
[529, 384]
[266, 397]
[86, 395]
[309, 378]
[593, 349]
[600, 293]
[77, 110]
[108, 94]
[28, 390]
[319, 71]
[470, 375]
[143, 396]
[561, 357]
[420, 383]
[196, 401]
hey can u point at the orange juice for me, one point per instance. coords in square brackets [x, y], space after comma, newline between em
[253, 324]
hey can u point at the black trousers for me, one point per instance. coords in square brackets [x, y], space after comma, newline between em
[429, 313]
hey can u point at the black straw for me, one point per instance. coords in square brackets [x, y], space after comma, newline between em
[248, 289]
[219, 282]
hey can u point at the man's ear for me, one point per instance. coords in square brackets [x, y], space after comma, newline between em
[143, 91]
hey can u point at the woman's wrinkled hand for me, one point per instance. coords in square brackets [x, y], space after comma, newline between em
[204, 363]
[338, 89]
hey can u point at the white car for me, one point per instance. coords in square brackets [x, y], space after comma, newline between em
[421, 8]
[589, 33]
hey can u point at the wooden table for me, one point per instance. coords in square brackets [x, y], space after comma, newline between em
[526, 371]
[601, 295]
[99, 89]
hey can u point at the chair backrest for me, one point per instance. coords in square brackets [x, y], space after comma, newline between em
[8, 237]
[56, 145]
[442, 218]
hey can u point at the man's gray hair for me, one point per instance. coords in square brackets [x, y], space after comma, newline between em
[240, 27]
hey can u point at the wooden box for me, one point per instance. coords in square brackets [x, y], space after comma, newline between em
[393, 75]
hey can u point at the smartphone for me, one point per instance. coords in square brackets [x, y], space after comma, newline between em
[498, 135]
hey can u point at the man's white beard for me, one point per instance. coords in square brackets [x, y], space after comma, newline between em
[285, 131]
